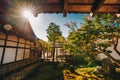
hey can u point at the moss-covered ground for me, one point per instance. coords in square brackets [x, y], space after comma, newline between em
[61, 71]
[82, 74]
[46, 71]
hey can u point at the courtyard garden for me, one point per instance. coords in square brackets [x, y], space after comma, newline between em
[85, 44]
[72, 71]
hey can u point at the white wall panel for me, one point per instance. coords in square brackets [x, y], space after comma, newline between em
[12, 38]
[27, 53]
[27, 42]
[21, 45]
[27, 46]
[1, 51]
[9, 55]
[32, 43]
[21, 40]
[20, 54]
[9, 43]
[2, 42]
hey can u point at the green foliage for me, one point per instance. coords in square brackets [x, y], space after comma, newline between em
[95, 35]
[79, 60]
[53, 32]
[46, 46]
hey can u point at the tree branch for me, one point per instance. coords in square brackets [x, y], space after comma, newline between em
[115, 46]
[113, 59]
[110, 57]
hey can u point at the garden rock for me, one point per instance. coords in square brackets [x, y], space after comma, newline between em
[71, 68]
[98, 69]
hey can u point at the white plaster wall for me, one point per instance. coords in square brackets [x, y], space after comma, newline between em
[9, 55]
[27, 53]
[9, 43]
[20, 54]
[13, 38]
[2, 42]
[1, 51]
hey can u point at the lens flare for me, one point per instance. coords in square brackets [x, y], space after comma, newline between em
[27, 13]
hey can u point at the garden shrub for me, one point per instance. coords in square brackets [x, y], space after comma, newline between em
[78, 60]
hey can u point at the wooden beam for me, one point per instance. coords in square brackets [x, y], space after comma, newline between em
[112, 5]
[79, 8]
[60, 8]
[96, 6]
[110, 9]
[49, 9]
[65, 6]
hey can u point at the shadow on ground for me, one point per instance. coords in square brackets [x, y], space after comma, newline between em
[46, 71]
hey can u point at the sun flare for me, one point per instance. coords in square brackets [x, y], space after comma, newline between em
[27, 13]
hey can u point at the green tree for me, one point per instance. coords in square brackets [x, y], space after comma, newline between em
[45, 47]
[53, 33]
[96, 36]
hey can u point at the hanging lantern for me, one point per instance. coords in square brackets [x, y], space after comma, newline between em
[7, 27]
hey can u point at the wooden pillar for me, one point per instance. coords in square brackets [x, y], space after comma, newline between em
[30, 49]
[6, 37]
[24, 50]
[56, 54]
[16, 50]
[47, 54]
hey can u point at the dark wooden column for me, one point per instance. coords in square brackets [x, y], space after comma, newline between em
[6, 37]
[24, 50]
[16, 49]
[30, 49]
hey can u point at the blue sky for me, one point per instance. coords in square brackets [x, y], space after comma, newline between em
[42, 21]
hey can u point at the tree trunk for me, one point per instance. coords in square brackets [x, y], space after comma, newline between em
[47, 54]
[113, 59]
[110, 57]
[115, 46]
[44, 54]
[53, 53]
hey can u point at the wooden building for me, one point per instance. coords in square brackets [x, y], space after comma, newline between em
[18, 43]
[17, 48]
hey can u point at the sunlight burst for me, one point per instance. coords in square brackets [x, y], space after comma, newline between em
[27, 13]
